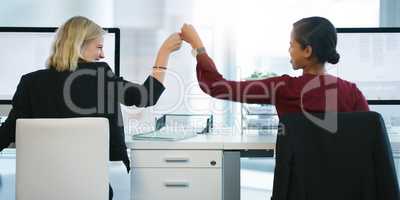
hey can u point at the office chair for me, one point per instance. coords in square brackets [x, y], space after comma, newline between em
[62, 159]
[352, 162]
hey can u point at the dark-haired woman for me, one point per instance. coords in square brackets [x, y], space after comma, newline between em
[312, 44]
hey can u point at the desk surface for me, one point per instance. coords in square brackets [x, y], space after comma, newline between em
[210, 141]
[226, 141]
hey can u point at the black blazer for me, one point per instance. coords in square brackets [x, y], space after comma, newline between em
[90, 91]
[355, 163]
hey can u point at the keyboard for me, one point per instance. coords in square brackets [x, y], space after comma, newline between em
[166, 135]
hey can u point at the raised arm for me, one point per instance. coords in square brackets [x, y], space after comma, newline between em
[148, 93]
[171, 44]
[264, 91]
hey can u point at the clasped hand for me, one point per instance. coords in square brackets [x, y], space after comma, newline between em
[188, 34]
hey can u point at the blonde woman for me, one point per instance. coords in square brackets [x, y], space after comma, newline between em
[76, 85]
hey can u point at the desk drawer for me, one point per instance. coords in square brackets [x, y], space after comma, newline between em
[176, 158]
[176, 184]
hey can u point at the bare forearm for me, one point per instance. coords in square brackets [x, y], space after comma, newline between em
[171, 44]
[160, 63]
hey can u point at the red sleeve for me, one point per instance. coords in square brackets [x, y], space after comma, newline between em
[361, 103]
[256, 91]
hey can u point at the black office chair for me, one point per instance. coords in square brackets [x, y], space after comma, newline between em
[353, 162]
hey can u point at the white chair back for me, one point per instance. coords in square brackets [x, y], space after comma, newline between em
[62, 159]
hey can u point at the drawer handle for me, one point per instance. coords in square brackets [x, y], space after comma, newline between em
[176, 184]
[176, 159]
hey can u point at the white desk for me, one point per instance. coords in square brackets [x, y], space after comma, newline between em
[190, 156]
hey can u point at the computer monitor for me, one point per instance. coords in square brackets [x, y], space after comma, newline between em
[26, 49]
[369, 57]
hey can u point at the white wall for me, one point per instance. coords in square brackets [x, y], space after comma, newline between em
[54, 12]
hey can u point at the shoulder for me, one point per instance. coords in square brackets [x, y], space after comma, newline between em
[284, 79]
[93, 65]
[37, 74]
[99, 67]
[347, 87]
[346, 83]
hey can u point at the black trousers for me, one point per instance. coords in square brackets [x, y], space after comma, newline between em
[110, 193]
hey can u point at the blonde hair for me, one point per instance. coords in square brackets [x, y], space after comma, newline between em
[70, 39]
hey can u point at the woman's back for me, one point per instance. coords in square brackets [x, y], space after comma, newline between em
[67, 94]
[313, 93]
